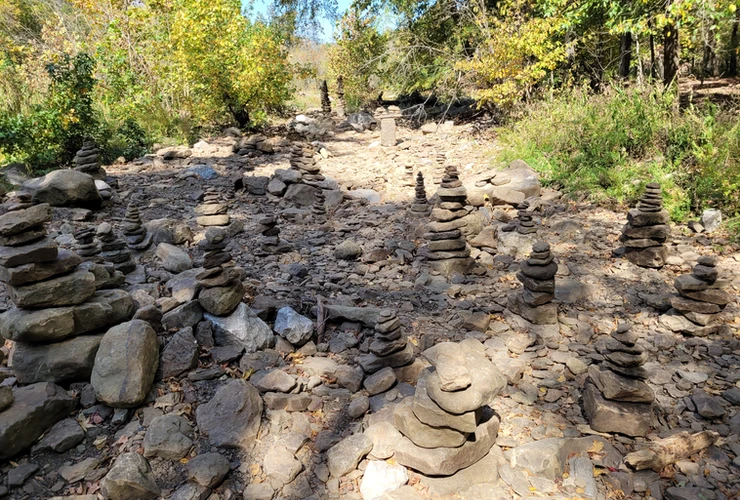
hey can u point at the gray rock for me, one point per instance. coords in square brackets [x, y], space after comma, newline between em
[19, 221]
[31, 272]
[711, 219]
[423, 435]
[130, 478]
[689, 493]
[242, 327]
[6, 397]
[287, 402]
[368, 316]
[183, 316]
[173, 258]
[231, 419]
[259, 491]
[18, 475]
[358, 406]
[64, 187]
[428, 412]
[370, 195]
[349, 377]
[707, 406]
[301, 195]
[191, 491]
[380, 381]
[276, 187]
[69, 360]
[126, 364]
[293, 327]
[254, 184]
[384, 437]
[348, 250]
[64, 435]
[344, 456]
[280, 465]
[486, 470]
[207, 469]
[68, 290]
[276, 381]
[167, 437]
[77, 472]
[632, 419]
[549, 457]
[175, 232]
[180, 355]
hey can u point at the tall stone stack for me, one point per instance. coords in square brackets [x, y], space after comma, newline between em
[389, 347]
[221, 286]
[302, 159]
[57, 310]
[647, 230]
[537, 275]
[318, 209]
[616, 397]
[325, 101]
[89, 159]
[447, 425]
[341, 103]
[271, 242]
[525, 224]
[212, 212]
[447, 249]
[441, 159]
[701, 298]
[136, 235]
[420, 204]
[86, 246]
[387, 118]
[114, 249]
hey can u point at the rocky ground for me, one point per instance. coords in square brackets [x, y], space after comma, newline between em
[366, 255]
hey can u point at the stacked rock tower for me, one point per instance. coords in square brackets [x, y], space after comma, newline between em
[616, 397]
[114, 249]
[537, 275]
[389, 347]
[58, 310]
[447, 249]
[647, 230]
[447, 425]
[318, 209]
[271, 242]
[212, 212]
[325, 101]
[302, 159]
[700, 298]
[525, 224]
[89, 160]
[136, 235]
[222, 289]
[85, 244]
[420, 204]
[341, 103]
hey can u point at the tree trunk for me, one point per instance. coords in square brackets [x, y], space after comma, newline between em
[625, 55]
[670, 54]
[732, 66]
[653, 73]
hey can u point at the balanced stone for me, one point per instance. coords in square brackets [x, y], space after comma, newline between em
[647, 230]
[89, 159]
[85, 244]
[318, 209]
[325, 101]
[302, 159]
[271, 242]
[221, 286]
[700, 298]
[114, 249]
[212, 212]
[537, 276]
[136, 235]
[389, 346]
[420, 203]
[341, 103]
[524, 222]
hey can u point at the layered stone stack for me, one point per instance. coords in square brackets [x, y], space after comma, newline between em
[447, 249]
[616, 397]
[114, 249]
[325, 101]
[271, 242]
[537, 275]
[212, 212]
[701, 298]
[420, 204]
[318, 209]
[408, 170]
[302, 159]
[57, 308]
[389, 347]
[341, 103]
[387, 118]
[89, 160]
[647, 230]
[447, 425]
[86, 246]
[136, 235]
[221, 286]
[525, 224]
[441, 160]
[16, 200]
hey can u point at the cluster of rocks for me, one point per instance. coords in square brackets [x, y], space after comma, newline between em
[302, 159]
[221, 285]
[647, 230]
[447, 248]
[212, 212]
[701, 298]
[114, 249]
[616, 397]
[58, 309]
[325, 101]
[253, 145]
[389, 347]
[271, 243]
[420, 203]
[537, 275]
[136, 235]
[447, 425]
[89, 160]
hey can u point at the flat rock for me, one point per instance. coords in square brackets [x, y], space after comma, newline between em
[632, 419]
[449, 361]
[207, 469]
[343, 457]
[67, 361]
[68, 290]
[27, 273]
[380, 381]
[130, 477]
[428, 412]
[64, 187]
[64, 435]
[39, 251]
[279, 464]
[549, 457]
[19, 221]
[231, 419]
[483, 471]
[276, 381]
[185, 315]
[424, 435]
[167, 437]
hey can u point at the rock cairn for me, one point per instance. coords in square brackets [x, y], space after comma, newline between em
[89, 160]
[85, 244]
[341, 103]
[389, 347]
[447, 249]
[420, 204]
[114, 249]
[302, 159]
[57, 308]
[318, 209]
[447, 425]
[537, 275]
[525, 224]
[647, 230]
[325, 101]
[16, 200]
[701, 298]
[441, 159]
[616, 397]
[221, 286]
[387, 118]
[212, 212]
[271, 242]
[136, 235]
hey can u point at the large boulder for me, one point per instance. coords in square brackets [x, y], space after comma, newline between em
[34, 410]
[67, 361]
[126, 364]
[232, 418]
[242, 328]
[509, 186]
[64, 187]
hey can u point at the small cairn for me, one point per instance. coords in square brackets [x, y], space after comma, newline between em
[86, 246]
[420, 204]
[408, 170]
[525, 223]
[647, 230]
[341, 103]
[136, 235]
[537, 275]
[441, 159]
[447, 248]
[616, 397]
[318, 209]
[222, 289]
[389, 347]
[271, 242]
[212, 212]
[302, 159]
[88, 159]
[701, 298]
[16, 200]
[447, 425]
[114, 249]
[325, 101]
[59, 315]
